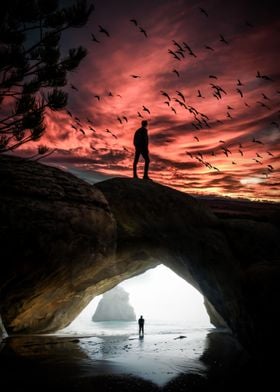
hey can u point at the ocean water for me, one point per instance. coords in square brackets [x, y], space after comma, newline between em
[119, 328]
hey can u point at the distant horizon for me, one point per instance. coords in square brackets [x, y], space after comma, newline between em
[93, 177]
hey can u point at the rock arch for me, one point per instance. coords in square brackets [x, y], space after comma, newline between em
[66, 241]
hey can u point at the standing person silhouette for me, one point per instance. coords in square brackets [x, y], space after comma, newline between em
[141, 142]
[141, 322]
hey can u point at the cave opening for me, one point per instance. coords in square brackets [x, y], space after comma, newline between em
[168, 303]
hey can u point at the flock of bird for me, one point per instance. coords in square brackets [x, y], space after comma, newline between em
[177, 100]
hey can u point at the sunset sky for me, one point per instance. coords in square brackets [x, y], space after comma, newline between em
[209, 73]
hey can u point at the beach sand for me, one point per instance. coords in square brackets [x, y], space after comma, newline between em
[192, 362]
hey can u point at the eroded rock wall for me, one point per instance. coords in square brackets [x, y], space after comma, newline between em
[64, 241]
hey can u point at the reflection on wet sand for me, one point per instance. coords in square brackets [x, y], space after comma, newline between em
[154, 363]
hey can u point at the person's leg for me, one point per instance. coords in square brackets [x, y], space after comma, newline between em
[145, 155]
[136, 159]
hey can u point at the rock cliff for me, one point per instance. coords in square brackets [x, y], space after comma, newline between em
[64, 241]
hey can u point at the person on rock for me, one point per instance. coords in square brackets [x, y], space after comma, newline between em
[141, 142]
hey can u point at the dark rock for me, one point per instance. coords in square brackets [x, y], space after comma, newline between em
[55, 232]
[64, 243]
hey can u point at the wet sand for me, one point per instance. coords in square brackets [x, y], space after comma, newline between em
[127, 363]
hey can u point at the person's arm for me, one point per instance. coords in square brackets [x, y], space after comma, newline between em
[146, 139]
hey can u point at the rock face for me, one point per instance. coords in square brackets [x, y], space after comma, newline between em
[114, 306]
[55, 232]
[64, 241]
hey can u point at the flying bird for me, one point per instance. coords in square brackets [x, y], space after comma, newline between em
[196, 138]
[135, 76]
[93, 38]
[143, 31]
[134, 21]
[176, 72]
[145, 109]
[239, 92]
[222, 39]
[257, 141]
[74, 87]
[181, 95]
[209, 48]
[199, 95]
[104, 31]
[202, 10]
[178, 45]
[165, 94]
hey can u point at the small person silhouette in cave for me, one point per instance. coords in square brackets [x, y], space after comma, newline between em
[141, 142]
[141, 322]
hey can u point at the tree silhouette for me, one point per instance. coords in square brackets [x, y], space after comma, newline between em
[32, 67]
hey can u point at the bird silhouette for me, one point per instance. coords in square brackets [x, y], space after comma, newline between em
[239, 83]
[222, 39]
[239, 92]
[209, 48]
[97, 97]
[145, 109]
[181, 95]
[181, 49]
[173, 110]
[176, 72]
[213, 77]
[125, 118]
[199, 95]
[143, 31]
[93, 38]
[134, 21]
[202, 10]
[104, 31]
[165, 94]
[257, 141]
[74, 87]
[196, 138]
[135, 76]
[265, 96]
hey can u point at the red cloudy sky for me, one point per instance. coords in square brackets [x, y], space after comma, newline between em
[221, 143]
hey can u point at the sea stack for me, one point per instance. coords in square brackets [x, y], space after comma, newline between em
[114, 306]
